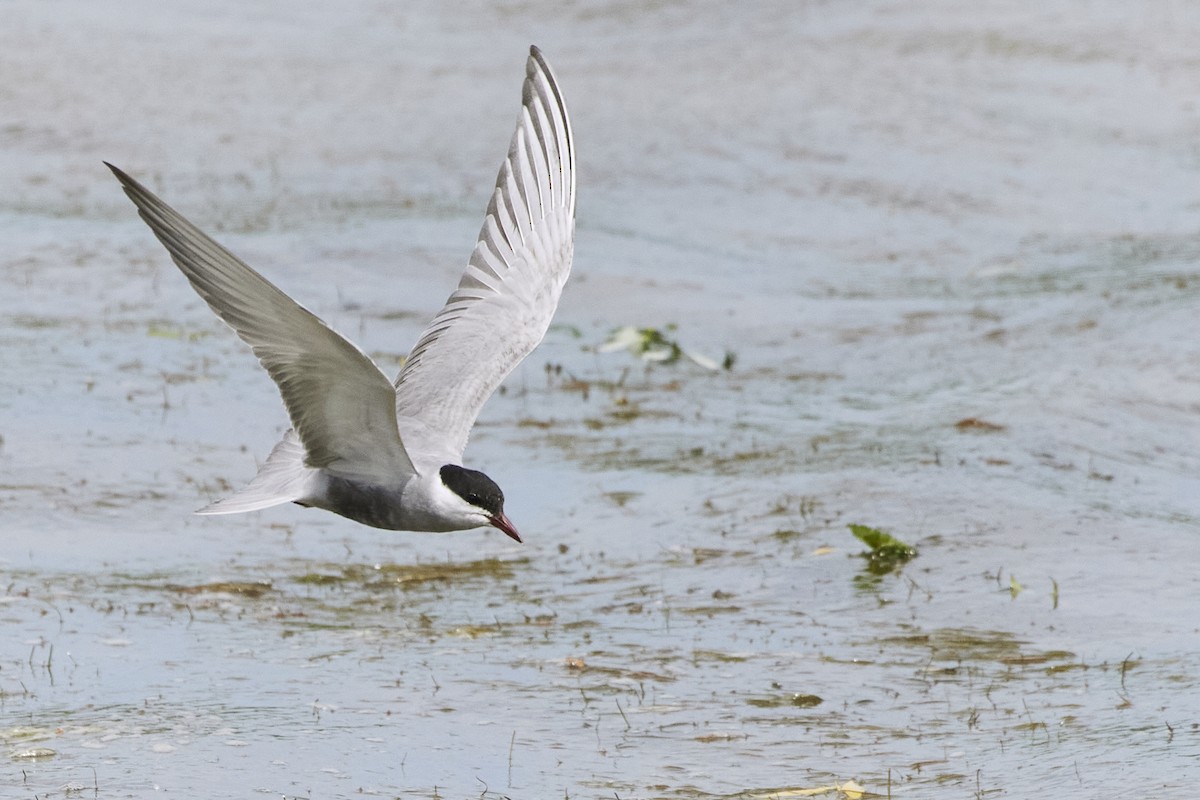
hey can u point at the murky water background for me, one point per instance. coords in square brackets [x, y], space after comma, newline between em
[952, 247]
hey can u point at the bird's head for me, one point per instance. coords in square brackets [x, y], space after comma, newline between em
[482, 502]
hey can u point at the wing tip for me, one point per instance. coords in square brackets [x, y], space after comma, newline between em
[118, 172]
[537, 63]
[134, 191]
[536, 66]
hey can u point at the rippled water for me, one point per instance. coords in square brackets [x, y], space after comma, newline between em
[952, 251]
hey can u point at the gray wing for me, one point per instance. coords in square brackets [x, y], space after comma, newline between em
[340, 404]
[507, 296]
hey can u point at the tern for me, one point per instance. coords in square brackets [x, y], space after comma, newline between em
[389, 453]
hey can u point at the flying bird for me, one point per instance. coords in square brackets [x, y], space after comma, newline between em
[389, 453]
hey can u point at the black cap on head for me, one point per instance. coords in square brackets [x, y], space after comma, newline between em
[474, 487]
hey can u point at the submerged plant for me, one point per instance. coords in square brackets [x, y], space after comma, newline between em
[887, 553]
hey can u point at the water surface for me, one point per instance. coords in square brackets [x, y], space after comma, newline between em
[953, 251]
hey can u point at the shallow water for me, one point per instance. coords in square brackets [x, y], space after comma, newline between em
[953, 251]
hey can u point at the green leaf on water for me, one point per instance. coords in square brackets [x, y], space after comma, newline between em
[887, 552]
[883, 543]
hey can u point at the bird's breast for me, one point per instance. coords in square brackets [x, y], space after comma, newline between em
[369, 503]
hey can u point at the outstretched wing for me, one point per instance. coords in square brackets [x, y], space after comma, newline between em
[340, 404]
[507, 296]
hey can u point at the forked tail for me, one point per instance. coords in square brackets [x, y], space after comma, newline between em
[282, 479]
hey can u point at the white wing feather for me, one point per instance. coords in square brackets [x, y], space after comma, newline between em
[507, 296]
[341, 405]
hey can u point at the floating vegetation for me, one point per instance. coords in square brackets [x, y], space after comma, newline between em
[976, 425]
[969, 645]
[252, 589]
[34, 322]
[652, 344]
[887, 553]
[625, 412]
[575, 664]
[34, 754]
[621, 498]
[660, 454]
[711, 610]
[849, 790]
[160, 330]
[409, 575]
[719, 656]
[719, 737]
[25, 734]
[786, 701]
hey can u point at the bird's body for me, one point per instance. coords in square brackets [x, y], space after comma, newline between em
[390, 454]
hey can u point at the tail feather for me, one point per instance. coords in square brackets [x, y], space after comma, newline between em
[282, 479]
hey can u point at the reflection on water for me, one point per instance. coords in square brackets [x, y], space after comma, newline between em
[948, 324]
